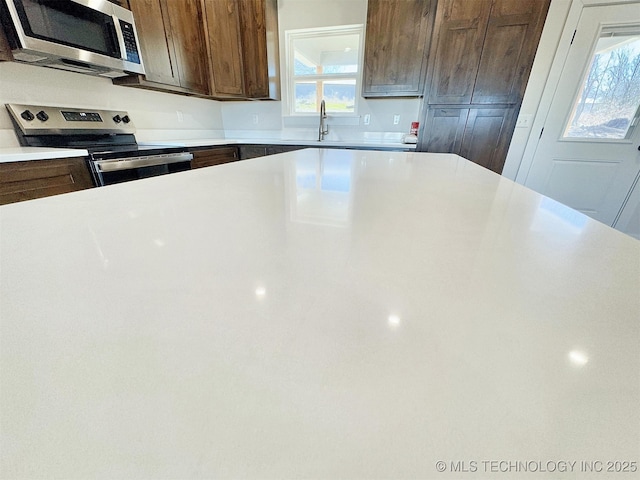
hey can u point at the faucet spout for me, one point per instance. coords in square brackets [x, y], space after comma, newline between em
[323, 129]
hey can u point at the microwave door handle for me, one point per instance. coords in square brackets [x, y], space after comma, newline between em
[120, 35]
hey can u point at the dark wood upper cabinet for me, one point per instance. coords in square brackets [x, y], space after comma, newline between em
[510, 45]
[456, 51]
[396, 47]
[484, 50]
[259, 20]
[243, 48]
[187, 32]
[172, 44]
[156, 43]
[225, 47]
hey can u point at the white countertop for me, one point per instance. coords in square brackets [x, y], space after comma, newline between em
[317, 314]
[203, 142]
[19, 154]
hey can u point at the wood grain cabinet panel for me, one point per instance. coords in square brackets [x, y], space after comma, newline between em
[479, 65]
[487, 135]
[243, 46]
[510, 45]
[172, 43]
[156, 43]
[214, 156]
[446, 129]
[461, 27]
[396, 47]
[225, 47]
[187, 30]
[42, 178]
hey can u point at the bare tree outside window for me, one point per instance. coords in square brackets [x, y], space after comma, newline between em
[608, 103]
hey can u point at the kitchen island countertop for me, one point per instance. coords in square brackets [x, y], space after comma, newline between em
[21, 154]
[317, 314]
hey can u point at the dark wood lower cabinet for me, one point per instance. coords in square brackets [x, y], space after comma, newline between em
[254, 151]
[214, 156]
[487, 135]
[42, 178]
[480, 134]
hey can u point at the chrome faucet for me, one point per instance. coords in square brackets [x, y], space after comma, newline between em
[324, 128]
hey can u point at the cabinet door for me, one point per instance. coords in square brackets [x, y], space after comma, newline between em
[187, 30]
[225, 47]
[156, 43]
[487, 135]
[259, 33]
[42, 178]
[444, 129]
[396, 46]
[460, 31]
[252, 151]
[509, 47]
[214, 156]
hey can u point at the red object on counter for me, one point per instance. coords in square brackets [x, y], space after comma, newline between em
[414, 128]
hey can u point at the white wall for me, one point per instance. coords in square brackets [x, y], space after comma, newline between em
[153, 113]
[240, 117]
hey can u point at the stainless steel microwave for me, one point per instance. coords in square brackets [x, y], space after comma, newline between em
[95, 37]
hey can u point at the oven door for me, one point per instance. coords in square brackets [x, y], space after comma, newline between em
[108, 172]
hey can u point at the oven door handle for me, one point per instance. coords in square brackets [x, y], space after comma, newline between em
[137, 162]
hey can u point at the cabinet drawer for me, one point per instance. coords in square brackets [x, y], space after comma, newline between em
[214, 156]
[42, 178]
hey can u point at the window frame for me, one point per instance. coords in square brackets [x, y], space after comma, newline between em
[306, 33]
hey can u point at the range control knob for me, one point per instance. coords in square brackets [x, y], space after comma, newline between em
[42, 116]
[117, 119]
[27, 115]
[126, 119]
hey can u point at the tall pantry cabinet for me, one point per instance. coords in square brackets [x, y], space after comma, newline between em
[479, 63]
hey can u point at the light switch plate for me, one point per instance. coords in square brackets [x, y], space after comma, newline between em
[367, 119]
[396, 119]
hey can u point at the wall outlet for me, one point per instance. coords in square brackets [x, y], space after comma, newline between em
[524, 121]
[367, 119]
[254, 118]
[180, 116]
[396, 119]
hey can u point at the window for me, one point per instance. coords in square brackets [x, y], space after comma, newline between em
[324, 64]
[608, 104]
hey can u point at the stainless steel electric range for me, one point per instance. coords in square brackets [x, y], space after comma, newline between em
[108, 136]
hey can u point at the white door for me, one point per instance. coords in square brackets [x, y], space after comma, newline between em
[587, 156]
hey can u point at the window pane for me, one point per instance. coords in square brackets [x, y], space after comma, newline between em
[306, 97]
[326, 54]
[340, 95]
[610, 94]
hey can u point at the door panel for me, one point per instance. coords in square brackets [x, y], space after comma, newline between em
[445, 127]
[486, 136]
[188, 39]
[508, 51]
[223, 25]
[461, 30]
[157, 51]
[397, 41]
[577, 164]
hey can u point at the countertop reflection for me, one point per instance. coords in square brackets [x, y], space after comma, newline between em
[319, 313]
